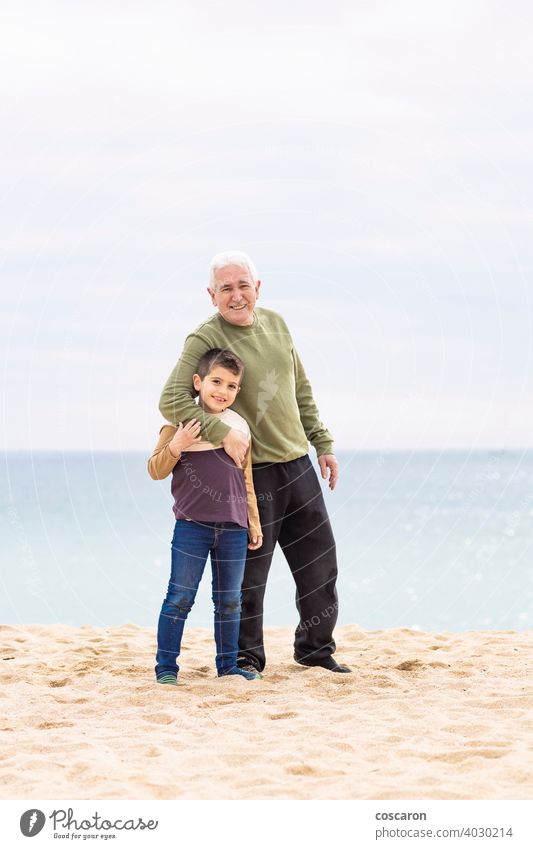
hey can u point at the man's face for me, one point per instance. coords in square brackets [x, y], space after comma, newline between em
[235, 294]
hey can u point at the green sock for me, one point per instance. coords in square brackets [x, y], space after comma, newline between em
[168, 679]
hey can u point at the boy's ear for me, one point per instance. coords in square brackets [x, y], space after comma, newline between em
[197, 382]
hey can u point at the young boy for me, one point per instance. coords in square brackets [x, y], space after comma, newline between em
[215, 508]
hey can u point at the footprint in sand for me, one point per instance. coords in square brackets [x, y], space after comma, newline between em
[458, 757]
[302, 769]
[381, 682]
[88, 666]
[152, 752]
[9, 778]
[410, 665]
[85, 649]
[465, 729]
[59, 682]
[233, 761]
[133, 670]
[61, 748]
[275, 678]
[159, 718]
[344, 747]
[285, 715]
[202, 672]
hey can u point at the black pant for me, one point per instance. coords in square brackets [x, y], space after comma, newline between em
[293, 513]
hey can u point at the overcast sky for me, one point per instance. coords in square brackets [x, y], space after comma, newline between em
[374, 158]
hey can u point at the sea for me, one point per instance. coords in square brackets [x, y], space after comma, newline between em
[435, 541]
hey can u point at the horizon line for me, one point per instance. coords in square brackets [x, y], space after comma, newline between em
[384, 450]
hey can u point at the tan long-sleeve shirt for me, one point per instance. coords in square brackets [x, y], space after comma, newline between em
[162, 463]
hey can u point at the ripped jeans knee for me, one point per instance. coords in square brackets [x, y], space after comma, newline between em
[177, 605]
[229, 606]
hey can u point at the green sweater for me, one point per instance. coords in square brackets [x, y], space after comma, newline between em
[275, 398]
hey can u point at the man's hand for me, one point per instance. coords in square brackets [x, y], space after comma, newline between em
[235, 444]
[184, 437]
[256, 542]
[329, 461]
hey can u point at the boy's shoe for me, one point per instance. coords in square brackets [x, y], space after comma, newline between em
[249, 673]
[247, 665]
[169, 679]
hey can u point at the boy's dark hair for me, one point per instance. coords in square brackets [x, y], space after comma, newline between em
[219, 357]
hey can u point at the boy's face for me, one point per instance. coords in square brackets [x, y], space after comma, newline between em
[218, 389]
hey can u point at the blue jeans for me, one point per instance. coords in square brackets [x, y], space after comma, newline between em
[191, 544]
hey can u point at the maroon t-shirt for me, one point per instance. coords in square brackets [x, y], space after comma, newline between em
[208, 487]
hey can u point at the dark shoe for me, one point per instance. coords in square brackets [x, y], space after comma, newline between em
[250, 672]
[244, 663]
[328, 663]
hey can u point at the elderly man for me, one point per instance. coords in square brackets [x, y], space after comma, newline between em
[277, 402]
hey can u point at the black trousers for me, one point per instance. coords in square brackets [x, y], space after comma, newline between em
[293, 513]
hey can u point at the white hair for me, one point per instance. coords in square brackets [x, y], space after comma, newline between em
[222, 260]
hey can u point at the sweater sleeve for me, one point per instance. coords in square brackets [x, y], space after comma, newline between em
[318, 435]
[177, 399]
[254, 524]
[162, 461]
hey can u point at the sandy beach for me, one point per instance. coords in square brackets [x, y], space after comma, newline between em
[425, 716]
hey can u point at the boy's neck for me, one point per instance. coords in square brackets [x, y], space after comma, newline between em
[211, 412]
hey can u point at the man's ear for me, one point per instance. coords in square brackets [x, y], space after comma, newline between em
[212, 296]
[197, 382]
[257, 287]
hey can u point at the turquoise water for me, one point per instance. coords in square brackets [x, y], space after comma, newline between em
[437, 541]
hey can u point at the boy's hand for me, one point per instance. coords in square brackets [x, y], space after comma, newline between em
[256, 542]
[184, 437]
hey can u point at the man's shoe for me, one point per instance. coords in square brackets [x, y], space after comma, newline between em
[328, 663]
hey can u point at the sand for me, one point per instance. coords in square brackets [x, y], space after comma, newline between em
[424, 716]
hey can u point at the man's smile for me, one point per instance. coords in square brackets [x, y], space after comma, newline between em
[235, 291]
